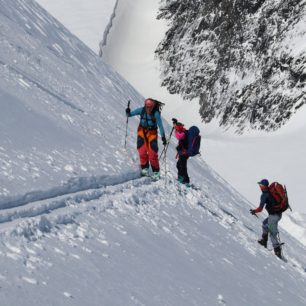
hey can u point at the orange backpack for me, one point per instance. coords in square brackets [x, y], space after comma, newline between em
[279, 194]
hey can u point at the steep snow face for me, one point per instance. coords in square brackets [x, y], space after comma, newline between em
[237, 58]
[92, 231]
[85, 19]
[57, 100]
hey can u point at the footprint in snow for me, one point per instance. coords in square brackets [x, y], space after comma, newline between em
[120, 229]
[13, 256]
[221, 300]
[68, 295]
[29, 280]
[58, 251]
[103, 241]
[14, 249]
[75, 256]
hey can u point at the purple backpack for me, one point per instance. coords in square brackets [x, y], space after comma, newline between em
[194, 141]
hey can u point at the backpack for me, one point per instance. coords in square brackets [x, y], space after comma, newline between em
[193, 141]
[279, 194]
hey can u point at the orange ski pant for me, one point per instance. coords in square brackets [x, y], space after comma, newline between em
[147, 147]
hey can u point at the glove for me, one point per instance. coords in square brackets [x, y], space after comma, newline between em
[253, 211]
[164, 140]
[128, 111]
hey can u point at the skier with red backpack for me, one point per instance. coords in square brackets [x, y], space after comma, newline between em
[274, 198]
[188, 145]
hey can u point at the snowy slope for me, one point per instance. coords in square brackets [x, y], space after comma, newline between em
[130, 244]
[86, 19]
[78, 225]
[57, 99]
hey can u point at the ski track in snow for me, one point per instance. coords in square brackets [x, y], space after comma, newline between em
[88, 191]
[72, 186]
[38, 218]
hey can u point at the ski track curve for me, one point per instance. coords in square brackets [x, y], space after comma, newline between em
[19, 209]
[32, 219]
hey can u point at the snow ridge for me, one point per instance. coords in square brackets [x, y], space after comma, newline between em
[41, 207]
[107, 29]
[73, 185]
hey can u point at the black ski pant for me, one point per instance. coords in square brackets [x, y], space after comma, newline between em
[182, 169]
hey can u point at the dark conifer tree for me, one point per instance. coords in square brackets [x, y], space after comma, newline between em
[230, 54]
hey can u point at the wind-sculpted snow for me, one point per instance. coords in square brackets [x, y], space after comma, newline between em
[107, 29]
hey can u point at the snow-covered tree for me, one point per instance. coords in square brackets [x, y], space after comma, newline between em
[238, 57]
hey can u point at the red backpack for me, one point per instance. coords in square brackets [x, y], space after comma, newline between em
[279, 194]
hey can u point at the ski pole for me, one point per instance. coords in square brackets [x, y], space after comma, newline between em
[164, 161]
[287, 197]
[166, 147]
[127, 122]
[164, 151]
[161, 154]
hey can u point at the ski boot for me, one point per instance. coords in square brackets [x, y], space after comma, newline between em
[278, 252]
[264, 240]
[180, 179]
[156, 176]
[145, 172]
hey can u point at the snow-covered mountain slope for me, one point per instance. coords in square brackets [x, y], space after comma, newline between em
[78, 226]
[86, 19]
[296, 223]
[144, 243]
[57, 100]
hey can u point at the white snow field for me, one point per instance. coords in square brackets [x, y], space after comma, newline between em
[79, 226]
